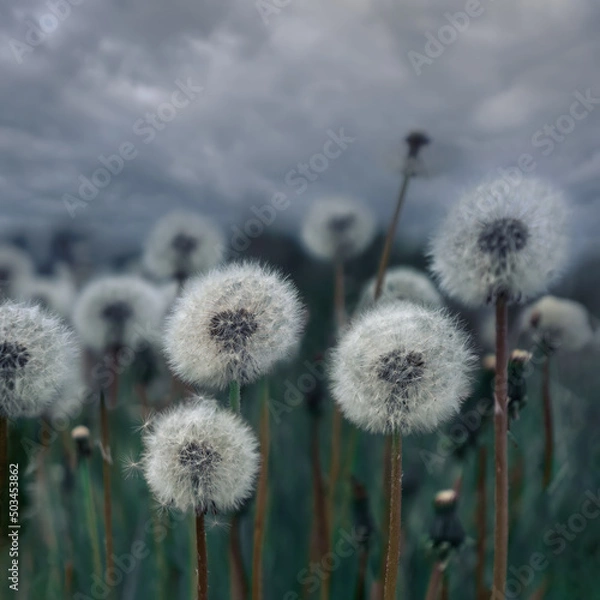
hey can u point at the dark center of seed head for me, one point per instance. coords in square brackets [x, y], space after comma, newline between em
[200, 460]
[5, 275]
[503, 236]
[13, 356]
[117, 312]
[184, 244]
[341, 223]
[233, 328]
[401, 369]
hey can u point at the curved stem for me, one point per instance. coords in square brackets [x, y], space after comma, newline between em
[501, 450]
[235, 397]
[548, 427]
[201, 557]
[389, 238]
[261, 497]
[393, 553]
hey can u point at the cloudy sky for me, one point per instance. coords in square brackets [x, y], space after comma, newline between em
[219, 104]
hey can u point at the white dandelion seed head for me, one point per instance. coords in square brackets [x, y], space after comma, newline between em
[401, 367]
[558, 324]
[183, 244]
[402, 283]
[118, 311]
[37, 356]
[199, 456]
[233, 324]
[338, 228]
[502, 240]
[15, 269]
[57, 294]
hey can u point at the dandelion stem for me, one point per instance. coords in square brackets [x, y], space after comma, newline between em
[393, 553]
[435, 582]
[3, 478]
[114, 383]
[339, 300]
[389, 238]
[235, 396]
[387, 476]
[237, 573]
[319, 499]
[201, 557]
[361, 583]
[548, 428]
[501, 449]
[261, 496]
[480, 517]
[104, 427]
[88, 499]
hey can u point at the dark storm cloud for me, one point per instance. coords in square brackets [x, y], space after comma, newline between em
[278, 77]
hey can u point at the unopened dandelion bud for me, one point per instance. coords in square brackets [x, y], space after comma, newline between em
[446, 532]
[81, 437]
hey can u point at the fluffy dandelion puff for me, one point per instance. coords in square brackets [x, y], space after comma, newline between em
[118, 311]
[502, 240]
[402, 283]
[558, 324]
[15, 269]
[37, 356]
[201, 457]
[183, 244]
[338, 228]
[401, 367]
[57, 294]
[233, 324]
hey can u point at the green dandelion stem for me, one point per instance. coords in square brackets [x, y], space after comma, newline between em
[235, 396]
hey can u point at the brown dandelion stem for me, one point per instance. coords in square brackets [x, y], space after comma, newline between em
[435, 582]
[361, 584]
[548, 427]
[235, 396]
[339, 296]
[201, 557]
[501, 449]
[387, 476]
[3, 478]
[389, 238]
[394, 529]
[319, 497]
[106, 482]
[480, 520]
[261, 496]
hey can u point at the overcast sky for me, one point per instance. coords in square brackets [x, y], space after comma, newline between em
[214, 104]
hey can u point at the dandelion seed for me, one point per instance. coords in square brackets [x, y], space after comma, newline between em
[402, 283]
[183, 244]
[200, 457]
[502, 241]
[338, 229]
[401, 367]
[118, 311]
[37, 355]
[233, 324]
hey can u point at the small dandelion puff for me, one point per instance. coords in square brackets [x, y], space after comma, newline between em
[183, 244]
[118, 311]
[16, 268]
[557, 324]
[53, 293]
[200, 457]
[402, 283]
[502, 240]
[233, 324]
[338, 228]
[401, 367]
[37, 355]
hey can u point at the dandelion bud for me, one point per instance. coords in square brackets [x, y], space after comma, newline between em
[557, 324]
[363, 520]
[200, 457]
[117, 311]
[502, 240]
[233, 324]
[183, 244]
[337, 228]
[402, 283]
[37, 356]
[401, 367]
[517, 383]
[446, 533]
[81, 437]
